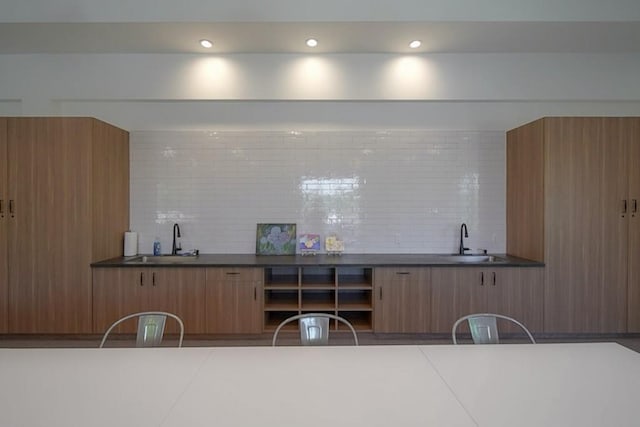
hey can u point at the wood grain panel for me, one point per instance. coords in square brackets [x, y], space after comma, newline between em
[180, 291]
[4, 229]
[118, 292]
[49, 182]
[585, 237]
[525, 191]
[518, 293]
[456, 292]
[634, 227]
[402, 299]
[110, 190]
[234, 300]
[55, 235]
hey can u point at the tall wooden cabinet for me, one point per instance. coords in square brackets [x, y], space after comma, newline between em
[66, 205]
[4, 228]
[633, 257]
[571, 194]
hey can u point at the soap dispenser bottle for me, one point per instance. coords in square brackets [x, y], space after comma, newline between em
[156, 247]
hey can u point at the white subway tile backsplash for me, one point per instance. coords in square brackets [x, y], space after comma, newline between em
[394, 192]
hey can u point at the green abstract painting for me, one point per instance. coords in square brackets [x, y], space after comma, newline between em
[276, 239]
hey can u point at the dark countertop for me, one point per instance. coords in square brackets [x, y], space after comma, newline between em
[370, 260]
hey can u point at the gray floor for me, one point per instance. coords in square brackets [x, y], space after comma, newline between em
[288, 338]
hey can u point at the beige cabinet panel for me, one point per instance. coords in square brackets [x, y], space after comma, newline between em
[402, 299]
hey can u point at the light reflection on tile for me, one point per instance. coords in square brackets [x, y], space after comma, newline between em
[394, 191]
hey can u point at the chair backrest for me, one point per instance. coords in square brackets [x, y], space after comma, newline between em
[484, 328]
[150, 328]
[314, 328]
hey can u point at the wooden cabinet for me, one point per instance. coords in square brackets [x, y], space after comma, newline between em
[571, 186]
[633, 255]
[66, 204]
[4, 229]
[343, 291]
[234, 300]
[118, 292]
[512, 291]
[402, 299]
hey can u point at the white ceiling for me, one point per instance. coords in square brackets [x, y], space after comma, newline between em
[334, 37]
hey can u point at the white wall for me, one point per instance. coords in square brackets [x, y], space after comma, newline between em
[219, 189]
[310, 10]
[382, 192]
[456, 92]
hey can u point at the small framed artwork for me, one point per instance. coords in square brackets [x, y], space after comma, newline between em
[276, 239]
[309, 243]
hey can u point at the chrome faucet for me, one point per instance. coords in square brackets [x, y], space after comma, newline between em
[466, 234]
[176, 245]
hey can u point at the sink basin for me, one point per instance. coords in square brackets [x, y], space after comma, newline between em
[162, 259]
[472, 258]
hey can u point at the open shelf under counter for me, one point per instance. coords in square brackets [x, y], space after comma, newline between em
[320, 289]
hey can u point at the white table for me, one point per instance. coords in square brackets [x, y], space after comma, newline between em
[544, 384]
[505, 385]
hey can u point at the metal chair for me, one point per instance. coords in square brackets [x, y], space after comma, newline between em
[314, 328]
[484, 328]
[150, 328]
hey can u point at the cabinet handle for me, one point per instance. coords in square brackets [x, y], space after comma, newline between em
[11, 212]
[1, 208]
[634, 206]
[232, 273]
[153, 278]
[403, 272]
[141, 279]
[482, 278]
[494, 278]
[255, 294]
[380, 292]
[624, 207]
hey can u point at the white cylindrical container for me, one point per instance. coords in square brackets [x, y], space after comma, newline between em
[130, 243]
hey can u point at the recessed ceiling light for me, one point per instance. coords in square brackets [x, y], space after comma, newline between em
[205, 43]
[312, 42]
[415, 44]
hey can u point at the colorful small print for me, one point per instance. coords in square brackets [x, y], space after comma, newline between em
[309, 242]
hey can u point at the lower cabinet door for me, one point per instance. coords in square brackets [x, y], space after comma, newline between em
[401, 299]
[234, 300]
[518, 293]
[456, 292]
[181, 291]
[118, 292]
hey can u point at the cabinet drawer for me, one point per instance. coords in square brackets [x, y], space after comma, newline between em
[235, 274]
[401, 275]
